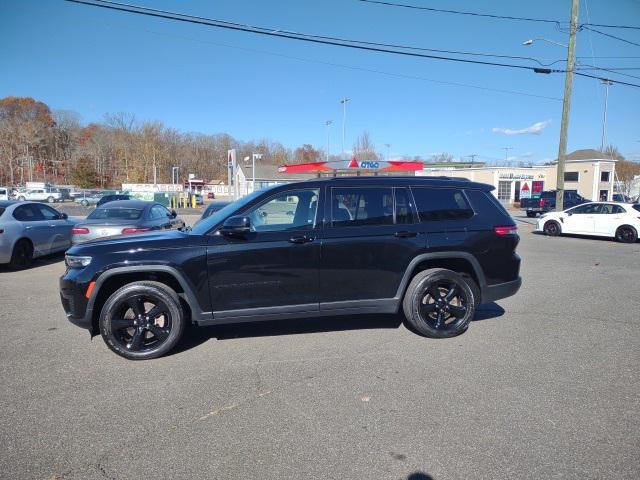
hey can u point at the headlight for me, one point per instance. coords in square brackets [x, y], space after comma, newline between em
[74, 261]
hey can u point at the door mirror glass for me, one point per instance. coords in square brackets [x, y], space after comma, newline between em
[64, 216]
[238, 225]
[172, 214]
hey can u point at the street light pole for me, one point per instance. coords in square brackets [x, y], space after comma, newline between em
[328, 124]
[606, 84]
[388, 145]
[506, 154]
[566, 105]
[344, 120]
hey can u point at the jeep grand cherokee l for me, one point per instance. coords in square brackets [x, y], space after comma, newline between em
[431, 247]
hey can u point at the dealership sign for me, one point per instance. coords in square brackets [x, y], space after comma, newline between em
[515, 176]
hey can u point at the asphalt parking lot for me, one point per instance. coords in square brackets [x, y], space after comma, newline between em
[543, 385]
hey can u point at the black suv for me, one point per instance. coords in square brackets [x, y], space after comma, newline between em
[433, 247]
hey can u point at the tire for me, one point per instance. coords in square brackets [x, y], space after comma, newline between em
[128, 331]
[51, 200]
[22, 255]
[552, 228]
[531, 214]
[440, 317]
[84, 203]
[626, 234]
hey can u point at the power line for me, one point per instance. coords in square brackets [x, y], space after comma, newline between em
[603, 79]
[610, 36]
[593, 67]
[292, 36]
[362, 69]
[600, 25]
[459, 12]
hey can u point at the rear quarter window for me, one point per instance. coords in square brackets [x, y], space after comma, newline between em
[637, 207]
[436, 204]
[2, 209]
[488, 208]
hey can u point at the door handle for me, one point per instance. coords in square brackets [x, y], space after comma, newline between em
[405, 234]
[301, 239]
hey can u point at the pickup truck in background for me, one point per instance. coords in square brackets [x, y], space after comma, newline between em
[41, 195]
[547, 202]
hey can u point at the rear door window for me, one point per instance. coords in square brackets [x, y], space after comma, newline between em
[27, 213]
[403, 206]
[360, 206]
[437, 204]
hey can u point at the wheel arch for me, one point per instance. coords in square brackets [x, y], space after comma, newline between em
[463, 263]
[113, 279]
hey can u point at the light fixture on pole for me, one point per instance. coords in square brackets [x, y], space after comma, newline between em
[530, 42]
[254, 156]
[344, 120]
[328, 124]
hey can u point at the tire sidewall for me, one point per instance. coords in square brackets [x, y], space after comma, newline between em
[29, 252]
[416, 292]
[146, 288]
[620, 238]
[557, 226]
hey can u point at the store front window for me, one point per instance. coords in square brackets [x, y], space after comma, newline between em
[504, 191]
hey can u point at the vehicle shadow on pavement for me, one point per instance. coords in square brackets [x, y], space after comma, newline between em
[37, 262]
[195, 336]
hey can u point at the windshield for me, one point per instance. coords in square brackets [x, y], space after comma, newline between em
[115, 213]
[206, 224]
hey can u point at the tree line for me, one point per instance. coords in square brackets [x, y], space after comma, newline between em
[38, 144]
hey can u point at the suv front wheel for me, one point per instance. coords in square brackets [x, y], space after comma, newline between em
[142, 320]
[439, 303]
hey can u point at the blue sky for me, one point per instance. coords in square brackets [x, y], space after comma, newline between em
[196, 78]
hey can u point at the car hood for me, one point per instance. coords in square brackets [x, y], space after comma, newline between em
[136, 241]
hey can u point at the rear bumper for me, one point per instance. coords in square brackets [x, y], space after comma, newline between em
[501, 290]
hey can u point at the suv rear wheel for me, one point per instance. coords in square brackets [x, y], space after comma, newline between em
[626, 234]
[439, 303]
[142, 320]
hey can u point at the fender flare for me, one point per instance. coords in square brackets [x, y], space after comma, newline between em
[197, 313]
[406, 278]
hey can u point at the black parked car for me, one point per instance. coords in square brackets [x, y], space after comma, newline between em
[111, 198]
[212, 208]
[433, 247]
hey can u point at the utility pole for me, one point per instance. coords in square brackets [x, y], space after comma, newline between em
[328, 124]
[473, 157]
[506, 154]
[344, 120]
[566, 104]
[388, 145]
[606, 84]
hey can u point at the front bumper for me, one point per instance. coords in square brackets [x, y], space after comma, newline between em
[74, 301]
[501, 290]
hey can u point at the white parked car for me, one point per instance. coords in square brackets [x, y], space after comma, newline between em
[4, 193]
[604, 219]
[40, 195]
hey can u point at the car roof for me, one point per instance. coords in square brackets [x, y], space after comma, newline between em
[430, 181]
[127, 204]
[7, 203]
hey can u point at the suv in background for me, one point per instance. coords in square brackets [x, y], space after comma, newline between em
[547, 202]
[434, 248]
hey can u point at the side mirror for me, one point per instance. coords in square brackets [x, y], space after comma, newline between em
[64, 216]
[173, 214]
[569, 213]
[239, 225]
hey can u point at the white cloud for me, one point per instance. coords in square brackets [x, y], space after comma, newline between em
[535, 129]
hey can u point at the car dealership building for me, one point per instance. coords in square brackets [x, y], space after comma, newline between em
[586, 171]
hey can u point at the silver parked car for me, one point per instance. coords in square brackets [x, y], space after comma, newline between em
[31, 229]
[125, 217]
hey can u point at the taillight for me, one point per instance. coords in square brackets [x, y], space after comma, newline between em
[127, 231]
[542, 202]
[506, 230]
[79, 231]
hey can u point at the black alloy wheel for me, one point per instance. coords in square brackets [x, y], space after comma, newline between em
[626, 234]
[552, 228]
[439, 303]
[142, 320]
